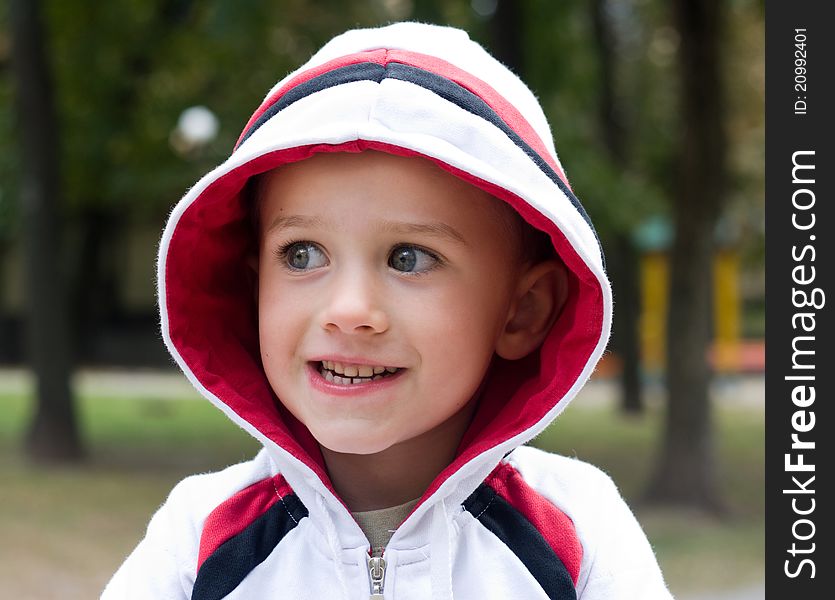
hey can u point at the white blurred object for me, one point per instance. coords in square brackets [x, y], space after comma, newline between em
[484, 8]
[198, 125]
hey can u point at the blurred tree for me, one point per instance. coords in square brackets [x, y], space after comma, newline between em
[592, 54]
[623, 261]
[507, 34]
[686, 467]
[426, 11]
[53, 433]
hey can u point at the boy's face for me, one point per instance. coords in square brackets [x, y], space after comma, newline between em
[373, 260]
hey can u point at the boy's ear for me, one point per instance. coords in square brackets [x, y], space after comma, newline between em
[540, 296]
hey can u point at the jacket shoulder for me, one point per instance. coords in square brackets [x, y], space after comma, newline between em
[617, 559]
[164, 563]
[561, 475]
[200, 494]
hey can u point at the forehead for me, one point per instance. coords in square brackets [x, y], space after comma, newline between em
[357, 186]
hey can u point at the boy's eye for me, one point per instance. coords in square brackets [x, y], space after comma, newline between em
[409, 259]
[303, 255]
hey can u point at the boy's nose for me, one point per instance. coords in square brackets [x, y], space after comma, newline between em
[351, 307]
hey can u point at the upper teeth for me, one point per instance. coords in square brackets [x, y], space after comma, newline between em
[350, 370]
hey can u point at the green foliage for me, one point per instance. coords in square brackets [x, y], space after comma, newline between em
[126, 70]
[122, 89]
[745, 79]
[8, 160]
[563, 69]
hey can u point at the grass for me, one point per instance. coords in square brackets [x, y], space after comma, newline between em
[76, 524]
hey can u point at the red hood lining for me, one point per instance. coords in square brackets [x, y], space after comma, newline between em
[200, 294]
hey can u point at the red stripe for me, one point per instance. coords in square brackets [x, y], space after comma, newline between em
[554, 525]
[238, 512]
[506, 111]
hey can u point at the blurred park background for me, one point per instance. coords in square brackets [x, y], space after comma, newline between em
[110, 110]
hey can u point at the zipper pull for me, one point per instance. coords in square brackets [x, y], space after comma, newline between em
[376, 576]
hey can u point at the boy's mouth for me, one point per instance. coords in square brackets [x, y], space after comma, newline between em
[348, 374]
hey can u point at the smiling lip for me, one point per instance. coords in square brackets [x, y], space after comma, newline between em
[350, 361]
[355, 389]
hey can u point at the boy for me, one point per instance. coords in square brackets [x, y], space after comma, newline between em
[391, 285]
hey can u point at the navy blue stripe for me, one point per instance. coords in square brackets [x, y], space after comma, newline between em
[227, 566]
[443, 87]
[346, 74]
[524, 540]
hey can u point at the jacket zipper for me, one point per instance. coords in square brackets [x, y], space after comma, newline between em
[376, 576]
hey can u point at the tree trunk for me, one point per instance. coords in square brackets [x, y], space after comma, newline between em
[53, 433]
[623, 271]
[622, 264]
[426, 11]
[92, 296]
[686, 473]
[506, 35]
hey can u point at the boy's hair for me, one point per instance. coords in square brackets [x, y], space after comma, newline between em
[534, 245]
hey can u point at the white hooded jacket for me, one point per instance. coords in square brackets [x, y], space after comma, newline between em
[502, 521]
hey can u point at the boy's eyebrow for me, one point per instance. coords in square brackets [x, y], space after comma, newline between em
[434, 228]
[295, 221]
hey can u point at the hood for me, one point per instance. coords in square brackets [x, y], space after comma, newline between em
[407, 89]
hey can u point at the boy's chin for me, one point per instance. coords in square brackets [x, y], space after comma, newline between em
[352, 445]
